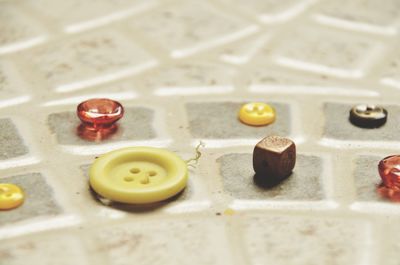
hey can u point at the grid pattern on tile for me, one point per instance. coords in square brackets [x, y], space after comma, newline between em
[182, 69]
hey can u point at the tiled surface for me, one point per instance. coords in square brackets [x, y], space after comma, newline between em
[182, 69]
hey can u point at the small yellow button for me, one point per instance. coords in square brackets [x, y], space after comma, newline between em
[257, 114]
[138, 175]
[11, 196]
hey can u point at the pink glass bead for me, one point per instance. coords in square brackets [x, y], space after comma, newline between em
[389, 170]
[99, 113]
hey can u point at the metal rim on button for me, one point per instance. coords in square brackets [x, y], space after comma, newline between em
[368, 116]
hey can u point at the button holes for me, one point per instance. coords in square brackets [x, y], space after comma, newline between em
[128, 179]
[134, 170]
[152, 173]
[145, 180]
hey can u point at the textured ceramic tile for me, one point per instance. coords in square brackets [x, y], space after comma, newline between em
[366, 178]
[39, 198]
[266, 80]
[11, 143]
[289, 239]
[390, 252]
[373, 16]
[65, 127]
[391, 72]
[190, 26]
[77, 15]
[11, 86]
[239, 181]
[17, 30]
[337, 116]
[88, 60]
[44, 250]
[189, 78]
[218, 120]
[270, 11]
[326, 51]
[167, 240]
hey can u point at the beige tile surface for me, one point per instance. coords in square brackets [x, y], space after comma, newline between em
[182, 69]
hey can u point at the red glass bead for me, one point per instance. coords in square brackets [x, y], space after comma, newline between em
[99, 113]
[389, 170]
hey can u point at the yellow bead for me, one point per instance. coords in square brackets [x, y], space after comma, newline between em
[11, 196]
[138, 175]
[257, 114]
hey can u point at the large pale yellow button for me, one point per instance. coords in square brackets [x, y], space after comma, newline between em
[11, 196]
[257, 114]
[138, 175]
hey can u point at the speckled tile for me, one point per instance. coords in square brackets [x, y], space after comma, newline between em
[289, 239]
[218, 120]
[189, 79]
[11, 85]
[69, 251]
[190, 26]
[129, 243]
[337, 116]
[11, 143]
[362, 15]
[270, 11]
[390, 72]
[65, 127]
[329, 52]
[366, 178]
[17, 30]
[39, 198]
[78, 15]
[87, 60]
[239, 180]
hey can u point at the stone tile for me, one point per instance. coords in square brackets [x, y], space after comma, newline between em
[163, 242]
[270, 11]
[365, 15]
[189, 78]
[39, 198]
[41, 250]
[390, 241]
[218, 120]
[17, 30]
[304, 184]
[11, 91]
[305, 240]
[366, 178]
[65, 127]
[87, 60]
[190, 26]
[77, 15]
[335, 53]
[11, 143]
[337, 116]
[390, 73]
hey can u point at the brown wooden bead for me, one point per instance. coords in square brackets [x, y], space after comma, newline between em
[274, 157]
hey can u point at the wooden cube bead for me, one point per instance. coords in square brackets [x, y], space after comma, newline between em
[274, 157]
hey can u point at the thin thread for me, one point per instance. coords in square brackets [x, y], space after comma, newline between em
[192, 162]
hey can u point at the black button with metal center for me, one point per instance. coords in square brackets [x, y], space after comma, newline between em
[368, 116]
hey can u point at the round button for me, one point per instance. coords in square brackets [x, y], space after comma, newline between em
[11, 196]
[368, 116]
[257, 114]
[138, 175]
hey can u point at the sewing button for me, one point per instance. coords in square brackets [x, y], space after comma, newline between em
[11, 196]
[257, 114]
[368, 116]
[138, 175]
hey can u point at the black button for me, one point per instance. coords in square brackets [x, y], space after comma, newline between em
[368, 116]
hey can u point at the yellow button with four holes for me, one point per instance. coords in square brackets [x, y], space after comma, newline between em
[138, 175]
[11, 196]
[257, 114]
